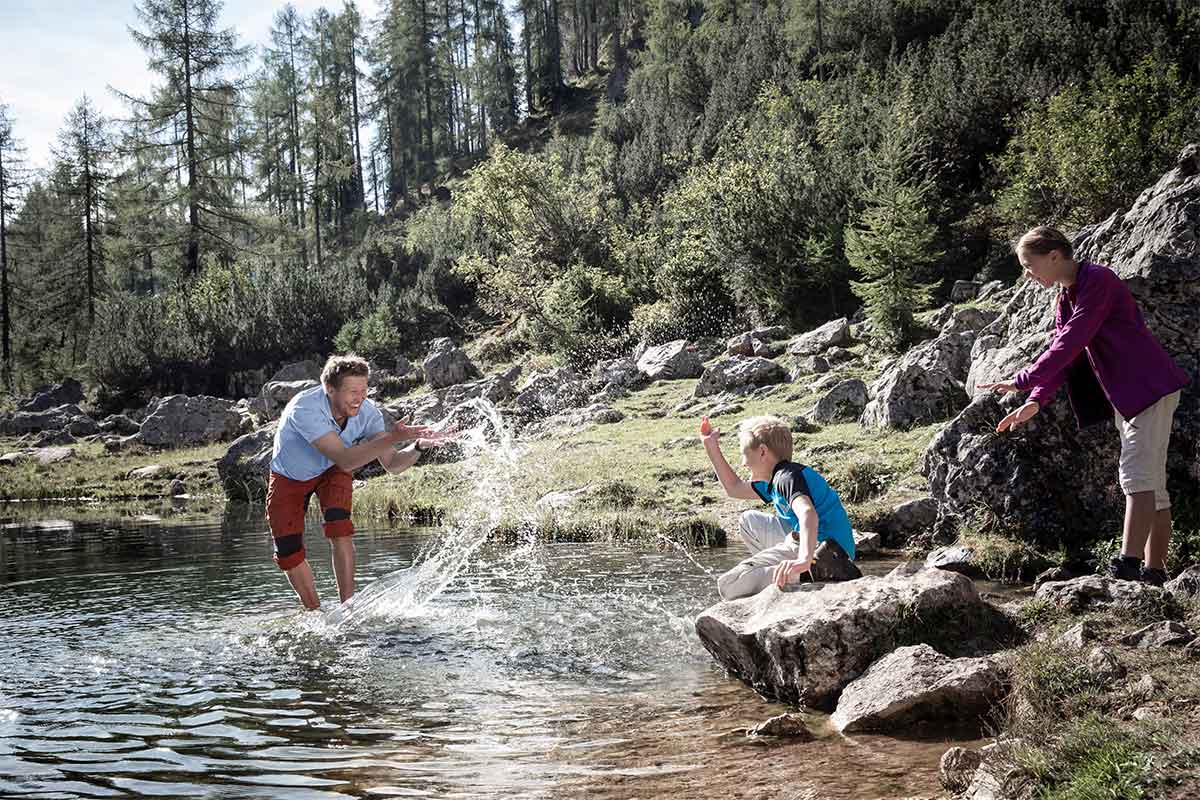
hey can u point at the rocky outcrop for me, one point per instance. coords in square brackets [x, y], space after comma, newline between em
[246, 465]
[835, 333]
[55, 419]
[672, 361]
[1155, 247]
[843, 403]
[446, 364]
[182, 421]
[919, 684]
[804, 646]
[738, 372]
[925, 386]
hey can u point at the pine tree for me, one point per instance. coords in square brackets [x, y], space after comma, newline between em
[12, 180]
[196, 104]
[893, 239]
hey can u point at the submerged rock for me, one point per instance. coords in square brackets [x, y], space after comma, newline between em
[805, 646]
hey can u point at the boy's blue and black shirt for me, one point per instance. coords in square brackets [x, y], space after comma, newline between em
[790, 480]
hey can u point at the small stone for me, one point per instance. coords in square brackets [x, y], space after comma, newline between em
[957, 768]
[1079, 635]
[785, 725]
[1160, 634]
[176, 488]
[1104, 665]
[148, 472]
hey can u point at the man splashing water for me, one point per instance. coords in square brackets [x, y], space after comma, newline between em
[324, 434]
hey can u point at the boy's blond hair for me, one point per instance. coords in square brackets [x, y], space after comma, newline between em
[768, 430]
[338, 367]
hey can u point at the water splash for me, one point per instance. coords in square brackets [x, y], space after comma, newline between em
[491, 458]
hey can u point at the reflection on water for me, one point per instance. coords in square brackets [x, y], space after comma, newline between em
[156, 660]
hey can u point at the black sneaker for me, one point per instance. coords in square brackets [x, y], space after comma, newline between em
[1154, 576]
[1124, 570]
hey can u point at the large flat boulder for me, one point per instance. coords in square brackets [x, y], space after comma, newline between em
[918, 684]
[246, 465]
[835, 333]
[804, 646]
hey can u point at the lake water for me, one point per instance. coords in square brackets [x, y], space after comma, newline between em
[147, 659]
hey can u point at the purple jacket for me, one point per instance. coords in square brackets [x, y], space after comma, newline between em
[1098, 318]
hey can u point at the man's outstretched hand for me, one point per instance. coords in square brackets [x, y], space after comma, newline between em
[427, 436]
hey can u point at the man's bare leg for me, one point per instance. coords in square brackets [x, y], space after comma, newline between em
[343, 565]
[301, 578]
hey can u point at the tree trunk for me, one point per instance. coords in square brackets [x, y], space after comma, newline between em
[193, 243]
[5, 335]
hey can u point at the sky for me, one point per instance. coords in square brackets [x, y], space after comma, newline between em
[52, 53]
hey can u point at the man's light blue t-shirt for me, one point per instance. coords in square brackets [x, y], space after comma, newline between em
[306, 418]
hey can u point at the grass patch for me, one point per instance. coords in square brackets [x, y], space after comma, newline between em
[1093, 759]
[614, 526]
[1001, 558]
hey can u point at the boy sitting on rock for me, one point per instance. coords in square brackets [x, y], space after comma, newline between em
[807, 510]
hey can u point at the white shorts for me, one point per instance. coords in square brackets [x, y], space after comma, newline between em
[1144, 441]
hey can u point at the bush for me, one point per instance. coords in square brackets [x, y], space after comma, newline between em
[1092, 149]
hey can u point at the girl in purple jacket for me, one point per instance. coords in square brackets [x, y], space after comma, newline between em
[1101, 339]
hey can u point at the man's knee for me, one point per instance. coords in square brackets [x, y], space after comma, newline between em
[289, 551]
[737, 582]
[337, 523]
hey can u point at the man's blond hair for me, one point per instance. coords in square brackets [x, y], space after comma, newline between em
[768, 430]
[338, 367]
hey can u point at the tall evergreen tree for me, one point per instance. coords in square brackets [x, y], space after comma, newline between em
[12, 180]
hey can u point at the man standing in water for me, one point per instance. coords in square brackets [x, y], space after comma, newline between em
[324, 434]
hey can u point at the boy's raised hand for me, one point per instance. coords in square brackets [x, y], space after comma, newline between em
[708, 434]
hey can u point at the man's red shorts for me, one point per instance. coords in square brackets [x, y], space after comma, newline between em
[287, 502]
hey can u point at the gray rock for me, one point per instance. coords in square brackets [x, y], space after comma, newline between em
[740, 345]
[738, 372]
[769, 333]
[955, 559]
[597, 414]
[149, 472]
[1104, 665]
[1077, 636]
[867, 544]
[307, 370]
[246, 465]
[925, 386]
[1191, 650]
[839, 355]
[802, 424]
[990, 291]
[835, 333]
[176, 488]
[547, 393]
[1092, 591]
[964, 291]
[620, 372]
[119, 424]
[957, 768]
[447, 364]
[672, 361]
[275, 396]
[83, 426]
[805, 646]
[1185, 585]
[1052, 574]
[909, 518]
[724, 409]
[69, 392]
[21, 423]
[843, 403]
[808, 365]
[42, 456]
[1160, 634]
[969, 320]
[1154, 248]
[788, 726]
[916, 684]
[180, 421]
[830, 563]
[998, 776]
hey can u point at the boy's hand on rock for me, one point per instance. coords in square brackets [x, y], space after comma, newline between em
[1021, 415]
[787, 570]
